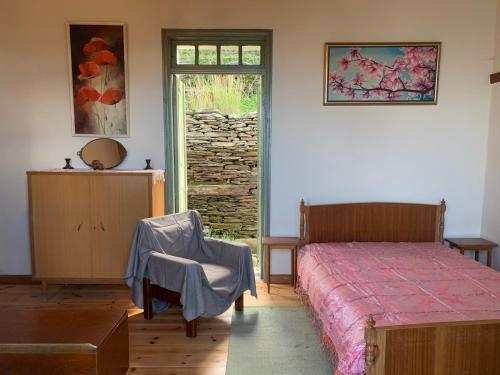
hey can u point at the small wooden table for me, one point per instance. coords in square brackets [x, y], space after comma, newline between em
[473, 244]
[64, 341]
[271, 243]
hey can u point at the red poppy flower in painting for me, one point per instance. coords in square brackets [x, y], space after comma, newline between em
[112, 96]
[88, 70]
[105, 57]
[98, 79]
[95, 44]
[88, 94]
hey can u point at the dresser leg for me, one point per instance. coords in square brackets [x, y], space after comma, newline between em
[45, 291]
[476, 256]
[488, 260]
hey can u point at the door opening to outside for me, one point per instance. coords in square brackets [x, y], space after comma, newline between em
[217, 131]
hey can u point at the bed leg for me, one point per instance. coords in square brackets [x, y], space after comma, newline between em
[147, 299]
[238, 304]
[302, 214]
[192, 328]
[371, 342]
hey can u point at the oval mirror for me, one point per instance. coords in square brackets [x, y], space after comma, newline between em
[103, 153]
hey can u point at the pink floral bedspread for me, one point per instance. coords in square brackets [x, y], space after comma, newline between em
[399, 283]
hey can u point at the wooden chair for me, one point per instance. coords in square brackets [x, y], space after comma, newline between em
[151, 291]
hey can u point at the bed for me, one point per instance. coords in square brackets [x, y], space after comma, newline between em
[389, 298]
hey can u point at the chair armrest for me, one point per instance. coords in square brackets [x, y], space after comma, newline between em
[234, 254]
[171, 261]
[228, 252]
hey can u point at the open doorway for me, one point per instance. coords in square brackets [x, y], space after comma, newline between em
[218, 131]
[221, 146]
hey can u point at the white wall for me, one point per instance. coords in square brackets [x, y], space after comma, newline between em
[491, 212]
[323, 154]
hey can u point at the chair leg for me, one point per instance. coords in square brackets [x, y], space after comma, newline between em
[147, 299]
[238, 304]
[192, 328]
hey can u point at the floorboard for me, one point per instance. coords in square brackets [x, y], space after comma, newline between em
[158, 346]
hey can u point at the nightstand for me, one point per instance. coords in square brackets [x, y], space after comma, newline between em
[271, 243]
[473, 244]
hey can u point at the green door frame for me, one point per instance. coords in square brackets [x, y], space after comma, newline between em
[170, 39]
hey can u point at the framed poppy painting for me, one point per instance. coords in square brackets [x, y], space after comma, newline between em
[98, 76]
[384, 73]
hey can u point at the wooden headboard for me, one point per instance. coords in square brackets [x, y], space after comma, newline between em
[372, 222]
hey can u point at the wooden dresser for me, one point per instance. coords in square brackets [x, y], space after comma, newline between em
[82, 221]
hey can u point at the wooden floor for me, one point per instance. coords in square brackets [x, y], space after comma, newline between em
[157, 346]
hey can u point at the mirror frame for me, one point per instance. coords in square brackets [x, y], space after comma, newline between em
[79, 153]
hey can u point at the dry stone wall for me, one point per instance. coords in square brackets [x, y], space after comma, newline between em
[222, 158]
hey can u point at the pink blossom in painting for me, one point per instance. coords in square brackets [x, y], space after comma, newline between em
[382, 73]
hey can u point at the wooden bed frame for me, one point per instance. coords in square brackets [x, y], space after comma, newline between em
[468, 347]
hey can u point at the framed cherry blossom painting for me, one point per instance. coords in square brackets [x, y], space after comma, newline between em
[98, 79]
[382, 73]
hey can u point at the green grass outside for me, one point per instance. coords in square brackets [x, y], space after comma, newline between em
[227, 93]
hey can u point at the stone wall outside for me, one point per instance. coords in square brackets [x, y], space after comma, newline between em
[222, 158]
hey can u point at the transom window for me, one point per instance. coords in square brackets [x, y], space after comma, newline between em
[218, 54]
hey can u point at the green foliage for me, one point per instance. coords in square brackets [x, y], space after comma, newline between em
[251, 57]
[207, 56]
[227, 93]
[185, 55]
[221, 235]
[229, 55]
[249, 104]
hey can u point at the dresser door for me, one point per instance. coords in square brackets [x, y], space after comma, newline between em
[60, 222]
[117, 204]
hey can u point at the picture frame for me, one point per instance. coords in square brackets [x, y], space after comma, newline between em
[98, 79]
[381, 73]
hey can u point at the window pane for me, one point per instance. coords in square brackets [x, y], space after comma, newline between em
[207, 55]
[250, 55]
[185, 55]
[229, 55]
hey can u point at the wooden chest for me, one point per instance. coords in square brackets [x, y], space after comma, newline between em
[63, 341]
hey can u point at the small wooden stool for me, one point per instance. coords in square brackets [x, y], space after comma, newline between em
[473, 244]
[271, 243]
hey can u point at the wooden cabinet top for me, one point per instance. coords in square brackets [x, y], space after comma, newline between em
[91, 172]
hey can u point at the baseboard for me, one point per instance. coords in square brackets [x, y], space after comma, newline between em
[281, 279]
[17, 279]
[27, 279]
